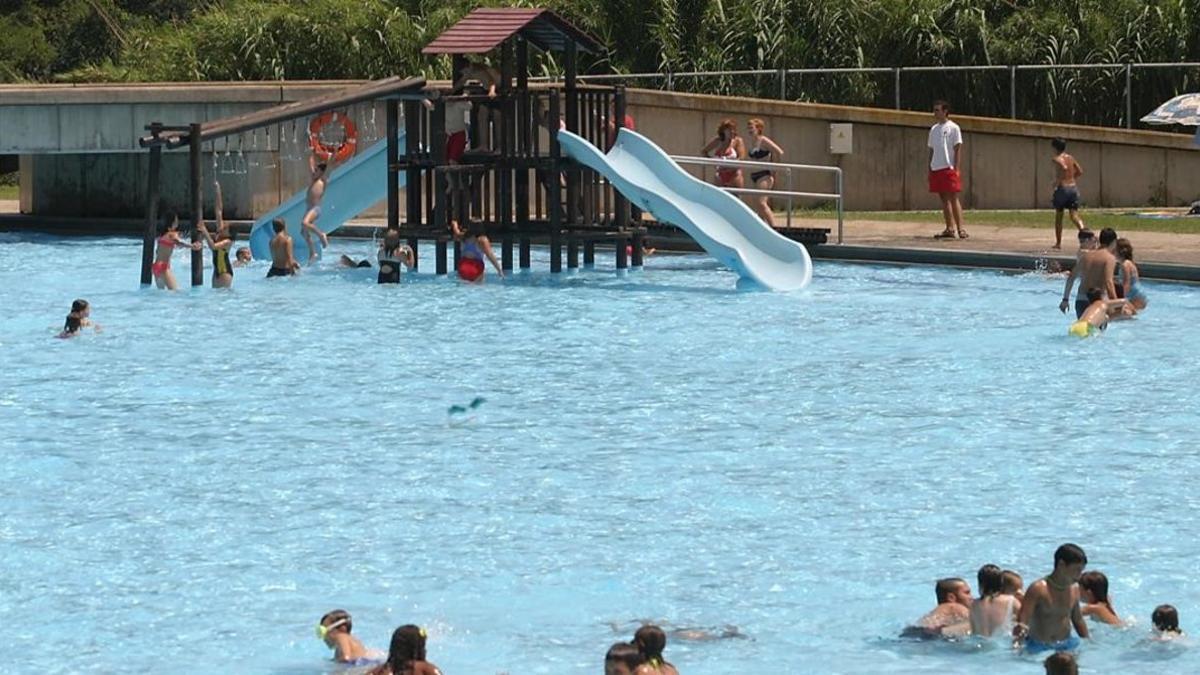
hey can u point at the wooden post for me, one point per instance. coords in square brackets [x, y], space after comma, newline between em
[504, 163]
[151, 232]
[412, 173]
[506, 252]
[437, 140]
[440, 255]
[524, 260]
[197, 195]
[622, 254]
[525, 123]
[555, 197]
[393, 161]
[589, 253]
[572, 251]
[571, 65]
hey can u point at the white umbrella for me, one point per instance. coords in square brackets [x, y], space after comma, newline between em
[1183, 110]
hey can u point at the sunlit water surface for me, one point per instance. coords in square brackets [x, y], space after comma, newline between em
[190, 489]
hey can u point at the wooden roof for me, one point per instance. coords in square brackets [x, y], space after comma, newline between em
[486, 28]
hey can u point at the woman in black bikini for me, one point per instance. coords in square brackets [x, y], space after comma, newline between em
[762, 149]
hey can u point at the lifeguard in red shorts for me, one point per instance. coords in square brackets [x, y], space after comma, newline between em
[945, 152]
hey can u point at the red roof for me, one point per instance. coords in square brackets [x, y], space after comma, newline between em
[488, 27]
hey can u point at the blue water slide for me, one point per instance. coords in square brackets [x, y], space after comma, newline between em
[352, 188]
[720, 222]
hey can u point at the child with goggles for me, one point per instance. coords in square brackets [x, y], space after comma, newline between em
[334, 631]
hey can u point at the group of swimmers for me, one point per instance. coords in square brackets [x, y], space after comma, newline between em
[1038, 619]
[406, 653]
[727, 144]
[1109, 283]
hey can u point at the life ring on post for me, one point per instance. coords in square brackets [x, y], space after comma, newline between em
[327, 151]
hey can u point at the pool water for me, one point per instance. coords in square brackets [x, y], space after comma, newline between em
[192, 488]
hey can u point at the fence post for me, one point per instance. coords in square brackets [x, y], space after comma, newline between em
[896, 75]
[1128, 95]
[670, 82]
[782, 84]
[1012, 92]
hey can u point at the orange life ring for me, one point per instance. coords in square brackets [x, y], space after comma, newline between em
[326, 151]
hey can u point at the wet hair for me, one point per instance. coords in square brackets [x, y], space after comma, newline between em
[391, 241]
[246, 249]
[1166, 618]
[73, 324]
[943, 104]
[1124, 248]
[408, 645]
[1093, 294]
[79, 305]
[991, 580]
[1061, 663]
[758, 124]
[624, 653]
[727, 124]
[1086, 234]
[650, 641]
[322, 166]
[1012, 581]
[1070, 554]
[279, 224]
[171, 220]
[1097, 584]
[944, 588]
[1059, 144]
[1107, 236]
[335, 616]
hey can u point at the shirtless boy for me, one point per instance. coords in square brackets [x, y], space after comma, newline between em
[1094, 268]
[1051, 606]
[951, 617]
[1066, 193]
[334, 630]
[316, 192]
[283, 258]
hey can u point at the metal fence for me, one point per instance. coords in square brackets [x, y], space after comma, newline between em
[1102, 94]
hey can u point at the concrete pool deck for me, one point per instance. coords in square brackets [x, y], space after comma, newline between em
[1160, 255]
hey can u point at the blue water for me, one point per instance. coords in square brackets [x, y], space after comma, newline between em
[190, 489]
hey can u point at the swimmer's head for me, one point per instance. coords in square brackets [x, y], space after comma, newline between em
[243, 254]
[73, 324]
[81, 307]
[954, 590]
[408, 644]
[650, 641]
[727, 129]
[170, 223]
[1013, 583]
[1166, 619]
[1070, 556]
[991, 580]
[1087, 238]
[1059, 145]
[1094, 586]
[622, 659]
[1124, 249]
[1107, 237]
[1061, 663]
[333, 622]
[1093, 294]
[391, 240]
[279, 224]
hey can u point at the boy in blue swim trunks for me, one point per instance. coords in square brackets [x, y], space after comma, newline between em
[1051, 606]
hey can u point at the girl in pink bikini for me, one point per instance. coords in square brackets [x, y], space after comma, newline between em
[167, 241]
[727, 145]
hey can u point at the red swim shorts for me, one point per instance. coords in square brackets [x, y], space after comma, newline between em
[944, 180]
[456, 145]
[470, 269]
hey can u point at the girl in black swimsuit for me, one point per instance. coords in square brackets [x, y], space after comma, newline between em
[762, 149]
[220, 243]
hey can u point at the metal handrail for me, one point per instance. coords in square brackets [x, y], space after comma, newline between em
[787, 169]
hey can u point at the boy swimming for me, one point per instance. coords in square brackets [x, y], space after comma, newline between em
[334, 630]
[1051, 606]
[1166, 622]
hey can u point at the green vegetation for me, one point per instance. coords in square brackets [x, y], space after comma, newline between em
[9, 192]
[154, 40]
[1120, 220]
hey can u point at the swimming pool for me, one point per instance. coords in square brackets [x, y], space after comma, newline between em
[195, 486]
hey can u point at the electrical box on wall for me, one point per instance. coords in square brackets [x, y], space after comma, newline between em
[841, 139]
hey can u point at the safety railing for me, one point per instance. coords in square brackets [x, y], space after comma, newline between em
[788, 79]
[786, 169]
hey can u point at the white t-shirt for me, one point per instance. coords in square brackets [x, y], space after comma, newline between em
[943, 136]
[457, 115]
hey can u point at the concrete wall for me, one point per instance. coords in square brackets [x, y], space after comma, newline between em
[80, 155]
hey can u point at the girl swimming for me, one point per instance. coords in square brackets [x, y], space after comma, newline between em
[406, 655]
[1129, 276]
[167, 241]
[1093, 592]
[762, 149]
[475, 247]
[650, 641]
[727, 145]
[391, 255]
[995, 610]
[220, 244]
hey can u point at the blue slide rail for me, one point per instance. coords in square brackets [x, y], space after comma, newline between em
[721, 223]
[352, 188]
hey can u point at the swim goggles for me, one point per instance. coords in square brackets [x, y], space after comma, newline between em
[323, 630]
